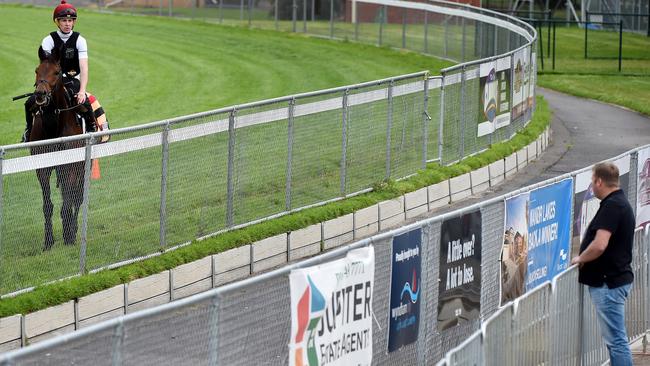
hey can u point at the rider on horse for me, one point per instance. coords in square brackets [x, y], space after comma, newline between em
[74, 65]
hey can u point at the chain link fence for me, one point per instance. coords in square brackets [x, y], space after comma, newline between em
[249, 322]
[167, 183]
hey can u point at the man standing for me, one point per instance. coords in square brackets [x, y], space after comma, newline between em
[605, 260]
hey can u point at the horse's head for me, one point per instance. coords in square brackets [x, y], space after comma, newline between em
[48, 76]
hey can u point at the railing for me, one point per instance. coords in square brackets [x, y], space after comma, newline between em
[169, 182]
[556, 323]
[249, 322]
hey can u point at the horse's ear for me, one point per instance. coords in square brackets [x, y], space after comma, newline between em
[56, 53]
[42, 55]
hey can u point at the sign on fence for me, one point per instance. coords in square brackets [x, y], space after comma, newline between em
[331, 311]
[643, 188]
[405, 286]
[494, 96]
[586, 204]
[459, 288]
[536, 238]
[520, 86]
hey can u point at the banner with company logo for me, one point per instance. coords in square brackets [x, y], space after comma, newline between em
[331, 311]
[494, 94]
[536, 238]
[459, 288]
[643, 188]
[405, 299]
[520, 82]
[585, 204]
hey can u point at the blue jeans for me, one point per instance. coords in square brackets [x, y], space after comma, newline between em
[610, 307]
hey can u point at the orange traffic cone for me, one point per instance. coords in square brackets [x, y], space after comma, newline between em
[95, 174]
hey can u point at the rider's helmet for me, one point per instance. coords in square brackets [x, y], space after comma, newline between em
[64, 10]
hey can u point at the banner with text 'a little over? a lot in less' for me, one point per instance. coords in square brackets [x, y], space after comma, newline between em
[331, 311]
[459, 285]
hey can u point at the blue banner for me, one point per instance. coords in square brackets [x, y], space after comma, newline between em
[405, 295]
[537, 240]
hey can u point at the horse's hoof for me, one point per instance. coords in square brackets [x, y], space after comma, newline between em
[47, 245]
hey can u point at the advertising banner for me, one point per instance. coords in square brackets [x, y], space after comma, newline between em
[331, 311]
[459, 288]
[519, 84]
[494, 96]
[405, 288]
[643, 188]
[536, 238]
[586, 204]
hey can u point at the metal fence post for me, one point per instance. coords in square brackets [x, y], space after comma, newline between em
[331, 18]
[344, 136]
[294, 10]
[461, 144]
[462, 50]
[425, 121]
[163, 187]
[304, 16]
[404, 11]
[287, 194]
[275, 14]
[446, 44]
[84, 204]
[213, 341]
[553, 46]
[442, 118]
[241, 10]
[250, 12]
[496, 41]
[512, 96]
[382, 11]
[389, 123]
[221, 11]
[586, 34]
[118, 340]
[620, 44]
[231, 166]
[426, 32]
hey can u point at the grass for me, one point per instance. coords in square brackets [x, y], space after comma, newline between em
[597, 77]
[73, 288]
[159, 68]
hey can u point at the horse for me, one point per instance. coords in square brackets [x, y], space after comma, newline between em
[54, 116]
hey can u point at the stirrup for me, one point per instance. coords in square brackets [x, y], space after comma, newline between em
[23, 138]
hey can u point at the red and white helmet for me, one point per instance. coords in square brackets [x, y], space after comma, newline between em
[64, 10]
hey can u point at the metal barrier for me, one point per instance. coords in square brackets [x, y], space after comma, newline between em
[169, 182]
[556, 323]
[249, 322]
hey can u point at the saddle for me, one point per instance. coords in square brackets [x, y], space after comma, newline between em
[91, 105]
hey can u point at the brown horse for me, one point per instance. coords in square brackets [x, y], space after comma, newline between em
[54, 116]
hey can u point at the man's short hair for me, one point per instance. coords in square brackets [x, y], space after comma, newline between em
[608, 173]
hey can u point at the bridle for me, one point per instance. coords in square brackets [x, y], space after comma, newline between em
[48, 94]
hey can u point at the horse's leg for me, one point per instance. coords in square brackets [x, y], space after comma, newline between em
[63, 172]
[44, 179]
[71, 181]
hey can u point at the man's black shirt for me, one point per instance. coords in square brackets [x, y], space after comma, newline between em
[613, 267]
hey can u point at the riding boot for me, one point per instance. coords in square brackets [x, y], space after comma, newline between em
[89, 117]
[29, 117]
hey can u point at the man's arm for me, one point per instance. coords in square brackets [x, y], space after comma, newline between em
[595, 249]
[83, 80]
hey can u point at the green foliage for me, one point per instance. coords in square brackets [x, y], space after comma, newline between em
[74, 288]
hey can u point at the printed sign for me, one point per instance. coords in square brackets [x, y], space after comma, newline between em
[643, 188]
[536, 238]
[586, 204]
[459, 289]
[331, 311]
[520, 83]
[405, 289]
[494, 96]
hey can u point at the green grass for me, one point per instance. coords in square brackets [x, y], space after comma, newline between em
[66, 290]
[597, 77]
[160, 68]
